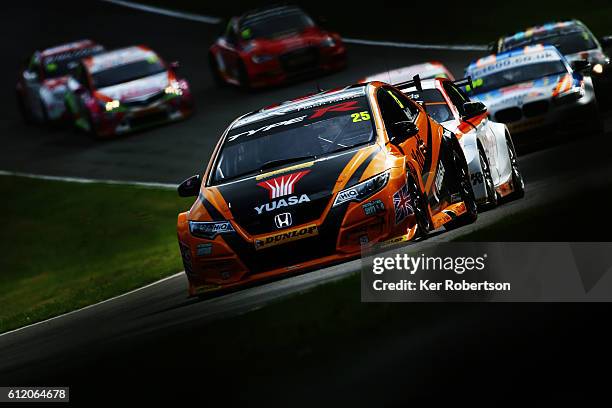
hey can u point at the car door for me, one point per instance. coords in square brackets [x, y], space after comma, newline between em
[228, 56]
[31, 78]
[422, 149]
[480, 124]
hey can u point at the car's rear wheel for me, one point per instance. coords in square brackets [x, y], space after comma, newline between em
[487, 179]
[518, 183]
[421, 212]
[464, 185]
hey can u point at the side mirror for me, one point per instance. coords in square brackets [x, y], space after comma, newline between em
[471, 109]
[402, 131]
[174, 65]
[581, 65]
[606, 41]
[30, 75]
[190, 187]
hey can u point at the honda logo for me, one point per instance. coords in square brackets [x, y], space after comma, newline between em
[283, 185]
[283, 220]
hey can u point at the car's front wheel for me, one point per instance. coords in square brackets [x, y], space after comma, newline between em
[464, 185]
[419, 202]
[518, 183]
[487, 179]
[26, 115]
[215, 71]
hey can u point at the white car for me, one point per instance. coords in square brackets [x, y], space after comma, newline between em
[42, 84]
[535, 88]
[487, 145]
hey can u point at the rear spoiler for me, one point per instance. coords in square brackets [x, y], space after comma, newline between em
[416, 82]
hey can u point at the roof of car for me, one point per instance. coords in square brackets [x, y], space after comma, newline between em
[543, 30]
[67, 47]
[119, 57]
[302, 103]
[549, 50]
[266, 12]
[425, 70]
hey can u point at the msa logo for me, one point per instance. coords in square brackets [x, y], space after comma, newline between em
[284, 237]
[275, 205]
[283, 220]
[282, 185]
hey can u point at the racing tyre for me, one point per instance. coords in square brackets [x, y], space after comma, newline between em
[595, 124]
[517, 178]
[420, 208]
[215, 71]
[465, 189]
[488, 180]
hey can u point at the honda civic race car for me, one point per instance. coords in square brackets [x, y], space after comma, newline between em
[312, 181]
[273, 45]
[572, 38]
[487, 145]
[425, 70]
[125, 90]
[534, 87]
[41, 87]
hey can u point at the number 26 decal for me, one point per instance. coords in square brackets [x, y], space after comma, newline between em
[361, 116]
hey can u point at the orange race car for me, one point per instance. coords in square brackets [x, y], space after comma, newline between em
[312, 181]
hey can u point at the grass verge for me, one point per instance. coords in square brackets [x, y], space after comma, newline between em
[66, 245]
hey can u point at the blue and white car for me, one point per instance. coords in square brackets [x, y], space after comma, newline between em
[534, 87]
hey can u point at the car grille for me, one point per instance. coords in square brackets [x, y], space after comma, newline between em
[508, 115]
[137, 103]
[300, 60]
[148, 119]
[535, 108]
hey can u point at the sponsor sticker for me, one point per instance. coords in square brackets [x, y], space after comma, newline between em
[373, 207]
[204, 249]
[274, 239]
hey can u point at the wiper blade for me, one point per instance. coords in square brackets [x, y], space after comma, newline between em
[280, 162]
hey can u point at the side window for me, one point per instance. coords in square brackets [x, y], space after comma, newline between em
[34, 64]
[395, 106]
[457, 96]
[230, 33]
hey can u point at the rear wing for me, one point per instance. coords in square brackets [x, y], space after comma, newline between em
[416, 82]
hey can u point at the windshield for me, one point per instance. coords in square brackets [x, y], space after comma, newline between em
[58, 65]
[569, 43]
[435, 104]
[274, 25]
[517, 75]
[127, 72]
[302, 135]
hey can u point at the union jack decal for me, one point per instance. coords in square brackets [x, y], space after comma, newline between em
[401, 202]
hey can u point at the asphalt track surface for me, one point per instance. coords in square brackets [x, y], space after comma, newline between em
[82, 349]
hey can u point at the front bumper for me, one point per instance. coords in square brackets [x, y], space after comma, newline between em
[283, 69]
[135, 118]
[231, 260]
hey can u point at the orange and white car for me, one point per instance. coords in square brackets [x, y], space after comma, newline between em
[312, 181]
[125, 90]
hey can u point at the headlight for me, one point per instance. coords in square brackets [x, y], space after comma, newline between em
[598, 68]
[209, 230]
[260, 59]
[328, 42]
[571, 95]
[173, 89]
[363, 190]
[112, 105]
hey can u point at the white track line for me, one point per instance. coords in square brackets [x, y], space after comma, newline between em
[216, 20]
[95, 304]
[447, 47]
[88, 181]
[166, 12]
